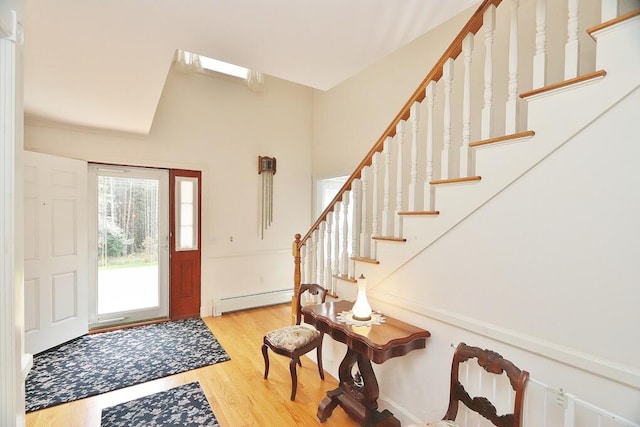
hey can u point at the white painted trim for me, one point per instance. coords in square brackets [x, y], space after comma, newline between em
[587, 362]
[11, 272]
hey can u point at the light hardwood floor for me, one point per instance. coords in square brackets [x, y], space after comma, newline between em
[238, 394]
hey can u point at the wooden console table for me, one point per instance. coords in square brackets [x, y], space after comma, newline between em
[378, 343]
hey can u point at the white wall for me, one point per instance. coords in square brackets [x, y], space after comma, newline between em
[219, 126]
[544, 274]
[350, 117]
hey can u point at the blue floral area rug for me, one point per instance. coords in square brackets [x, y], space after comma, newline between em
[98, 363]
[184, 406]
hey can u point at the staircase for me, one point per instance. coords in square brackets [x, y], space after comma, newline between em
[485, 114]
[525, 122]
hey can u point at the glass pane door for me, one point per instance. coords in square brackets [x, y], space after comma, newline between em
[131, 245]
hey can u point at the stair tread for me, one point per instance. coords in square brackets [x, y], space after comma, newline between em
[506, 138]
[389, 238]
[417, 213]
[364, 259]
[456, 180]
[612, 22]
[577, 80]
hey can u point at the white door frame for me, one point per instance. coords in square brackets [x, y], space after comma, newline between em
[162, 175]
[14, 365]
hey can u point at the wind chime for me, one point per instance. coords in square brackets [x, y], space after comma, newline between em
[266, 168]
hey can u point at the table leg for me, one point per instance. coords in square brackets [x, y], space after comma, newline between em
[358, 398]
[330, 402]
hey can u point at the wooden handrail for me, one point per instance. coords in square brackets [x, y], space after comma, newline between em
[455, 48]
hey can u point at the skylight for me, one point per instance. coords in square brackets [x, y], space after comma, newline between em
[223, 67]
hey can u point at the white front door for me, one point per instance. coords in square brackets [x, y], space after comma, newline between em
[55, 250]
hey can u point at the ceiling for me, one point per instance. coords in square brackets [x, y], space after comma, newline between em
[102, 64]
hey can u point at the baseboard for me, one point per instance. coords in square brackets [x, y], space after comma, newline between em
[243, 302]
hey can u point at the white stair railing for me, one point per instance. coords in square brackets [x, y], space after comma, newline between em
[447, 114]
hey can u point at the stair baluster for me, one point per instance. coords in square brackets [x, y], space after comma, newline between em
[445, 162]
[572, 48]
[413, 174]
[329, 281]
[608, 10]
[344, 253]
[365, 237]
[467, 50]
[314, 257]
[540, 57]
[336, 244]
[375, 202]
[397, 219]
[386, 197]
[321, 253]
[512, 99]
[428, 189]
[486, 131]
[355, 213]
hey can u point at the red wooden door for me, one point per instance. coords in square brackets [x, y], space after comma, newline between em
[184, 243]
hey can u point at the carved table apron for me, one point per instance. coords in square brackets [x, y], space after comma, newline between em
[365, 344]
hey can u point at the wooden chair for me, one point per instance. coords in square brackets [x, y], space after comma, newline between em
[493, 363]
[297, 340]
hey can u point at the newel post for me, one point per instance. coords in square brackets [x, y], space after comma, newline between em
[297, 275]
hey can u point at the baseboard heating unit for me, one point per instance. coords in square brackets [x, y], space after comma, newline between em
[243, 302]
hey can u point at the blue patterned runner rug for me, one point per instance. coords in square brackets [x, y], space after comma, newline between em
[184, 406]
[98, 363]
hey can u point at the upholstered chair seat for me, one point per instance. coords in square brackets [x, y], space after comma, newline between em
[292, 338]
